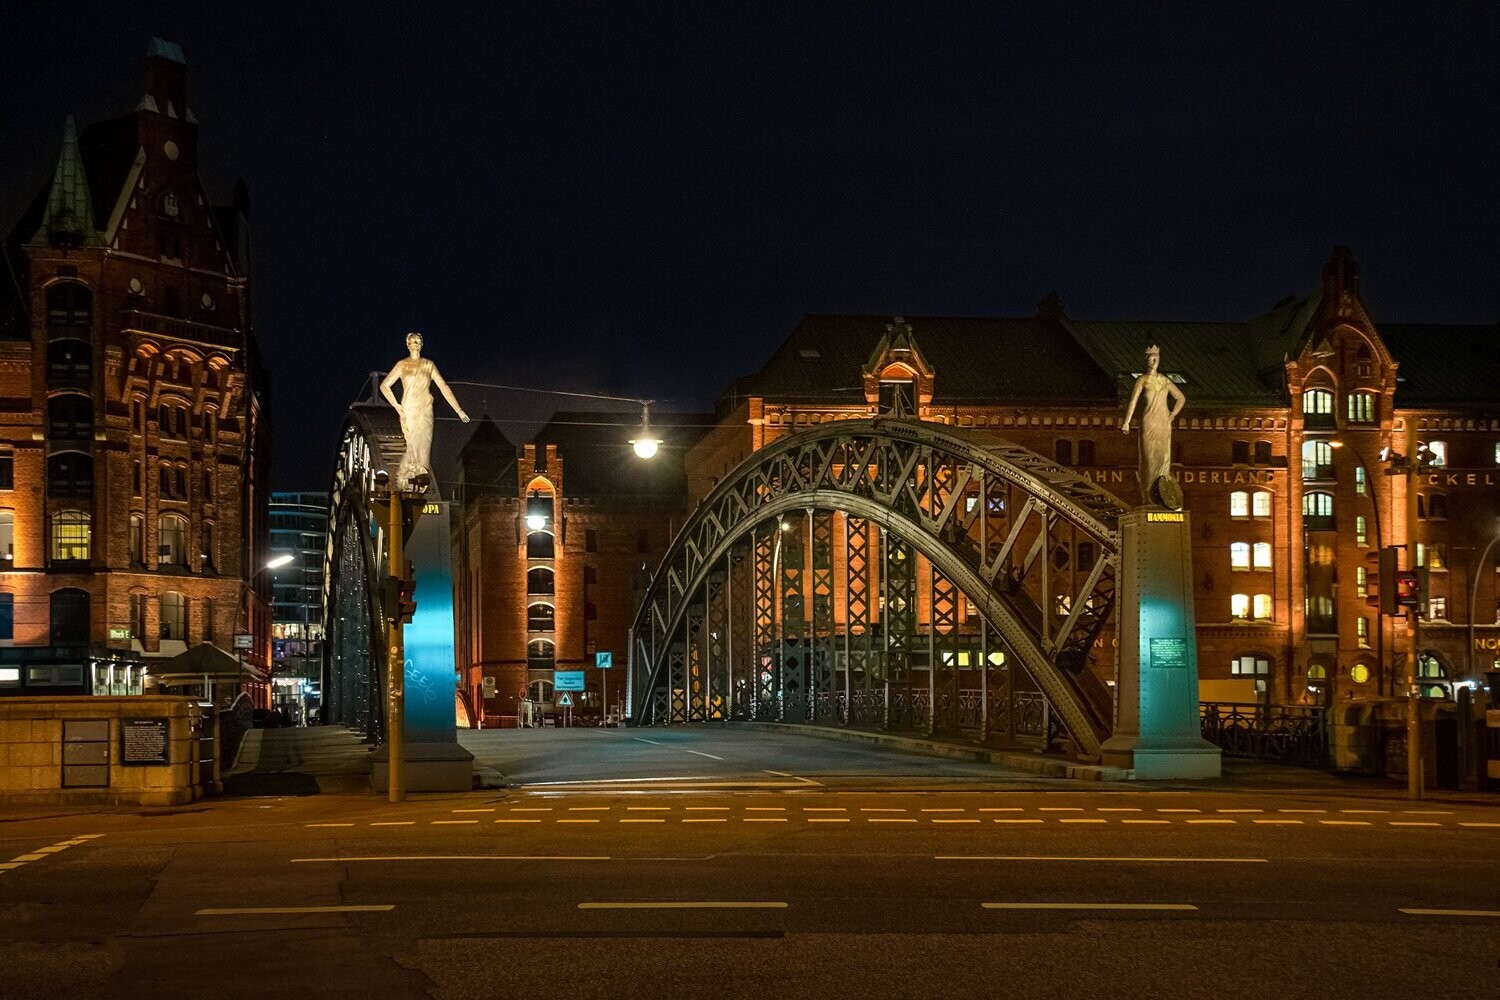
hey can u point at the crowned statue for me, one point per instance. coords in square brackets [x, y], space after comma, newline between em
[1160, 401]
[417, 376]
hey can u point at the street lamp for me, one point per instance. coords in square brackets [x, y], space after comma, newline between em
[276, 562]
[645, 442]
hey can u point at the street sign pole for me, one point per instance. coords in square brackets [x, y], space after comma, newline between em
[1413, 648]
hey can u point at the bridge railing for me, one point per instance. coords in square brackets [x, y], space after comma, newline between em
[1287, 734]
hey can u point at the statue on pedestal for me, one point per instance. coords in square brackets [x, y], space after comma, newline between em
[417, 376]
[1161, 403]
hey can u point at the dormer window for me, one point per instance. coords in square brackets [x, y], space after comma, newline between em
[1364, 365]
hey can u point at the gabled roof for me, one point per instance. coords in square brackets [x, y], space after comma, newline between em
[1215, 361]
[487, 461]
[1442, 366]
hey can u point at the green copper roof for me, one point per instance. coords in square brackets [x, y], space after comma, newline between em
[70, 213]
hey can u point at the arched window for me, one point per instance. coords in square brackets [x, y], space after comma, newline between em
[171, 548]
[1317, 460]
[1086, 452]
[173, 616]
[206, 549]
[71, 536]
[70, 364]
[69, 610]
[1361, 534]
[1239, 555]
[1362, 632]
[1239, 504]
[541, 654]
[898, 391]
[540, 581]
[70, 419]
[1361, 407]
[69, 307]
[138, 539]
[1364, 365]
[1260, 503]
[1317, 511]
[1432, 676]
[1317, 408]
[1261, 607]
[539, 545]
[1063, 450]
[541, 618]
[1262, 453]
[70, 474]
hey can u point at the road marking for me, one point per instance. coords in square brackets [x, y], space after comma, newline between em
[90, 836]
[474, 810]
[1218, 821]
[411, 822]
[680, 905]
[1016, 821]
[964, 821]
[517, 821]
[1414, 822]
[824, 809]
[532, 809]
[942, 810]
[1119, 809]
[328, 824]
[55, 849]
[766, 809]
[707, 809]
[1480, 824]
[805, 781]
[648, 809]
[1239, 810]
[1347, 822]
[763, 819]
[998, 809]
[7, 866]
[27, 857]
[1281, 822]
[1154, 822]
[710, 756]
[889, 819]
[1056, 857]
[453, 822]
[578, 821]
[260, 910]
[1308, 811]
[884, 809]
[588, 809]
[1061, 809]
[1088, 906]
[1072, 820]
[455, 857]
[640, 740]
[705, 819]
[1364, 812]
[1427, 812]
[644, 819]
[845, 819]
[1449, 913]
[1179, 810]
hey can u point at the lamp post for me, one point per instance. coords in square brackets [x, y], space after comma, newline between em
[239, 616]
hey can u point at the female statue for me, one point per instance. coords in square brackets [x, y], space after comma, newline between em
[417, 375]
[1155, 471]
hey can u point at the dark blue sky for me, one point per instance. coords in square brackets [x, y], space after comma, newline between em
[643, 198]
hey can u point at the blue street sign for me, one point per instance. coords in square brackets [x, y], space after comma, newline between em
[567, 680]
[604, 660]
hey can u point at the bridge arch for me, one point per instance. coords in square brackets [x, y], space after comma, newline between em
[761, 610]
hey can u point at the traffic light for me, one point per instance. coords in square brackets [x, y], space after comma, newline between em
[399, 596]
[1387, 592]
[1408, 589]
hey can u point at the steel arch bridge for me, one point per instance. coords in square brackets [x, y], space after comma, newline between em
[354, 627]
[886, 572]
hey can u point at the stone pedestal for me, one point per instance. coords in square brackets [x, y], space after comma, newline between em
[430, 767]
[1157, 733]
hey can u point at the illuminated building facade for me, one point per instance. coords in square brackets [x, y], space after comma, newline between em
[1279, 454]
[299, 529]
[134, 442]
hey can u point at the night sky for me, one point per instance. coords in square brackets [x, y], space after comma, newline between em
[642, 199]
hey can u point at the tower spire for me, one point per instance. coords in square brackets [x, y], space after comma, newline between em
[70, 213]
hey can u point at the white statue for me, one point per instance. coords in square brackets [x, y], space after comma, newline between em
[1156, 431]
[418, 375]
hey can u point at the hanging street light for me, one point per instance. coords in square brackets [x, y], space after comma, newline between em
[645, 442]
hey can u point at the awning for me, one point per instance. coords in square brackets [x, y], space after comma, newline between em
[206, 660]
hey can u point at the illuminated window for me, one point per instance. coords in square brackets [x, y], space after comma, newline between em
[1239, 504]
[1359, 673]
[1359, 480]
[1260, 504]
[1361, 535]
[1437, 608]
[71, 536]
[171, 548]
[137, 539]
[540, 581]
[1239, 555]
[1262, 607]
[1317, 460]
[173, 616]
[1497, 452]
[1361, 407]
[1262, 556]
[1362, 632]
[1317, 408]
[1361, 581]
[1317, 511]
[1239, 606]
[541, 618]
[1430, 668]
[1250, 666]
[7, 539]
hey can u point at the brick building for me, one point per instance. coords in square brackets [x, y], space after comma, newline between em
[1279, 453]
[549, 545]
[134, 428]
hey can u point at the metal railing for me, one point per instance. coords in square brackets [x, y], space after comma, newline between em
[1287, 734]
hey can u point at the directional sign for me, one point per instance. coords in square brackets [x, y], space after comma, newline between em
[604, 660]
[244, 640]
[565, 700]
[567, 680]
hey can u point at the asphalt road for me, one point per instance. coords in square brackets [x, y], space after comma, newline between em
[706, 886]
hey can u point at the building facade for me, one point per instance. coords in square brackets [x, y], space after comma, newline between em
[1283, 452]
[551, 546]
[298, 531]
[134, 430]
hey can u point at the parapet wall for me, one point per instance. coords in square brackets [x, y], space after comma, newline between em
[150, 750]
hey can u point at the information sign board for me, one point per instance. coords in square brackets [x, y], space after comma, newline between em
[567, 680]
[1168, 654]
[143, 742]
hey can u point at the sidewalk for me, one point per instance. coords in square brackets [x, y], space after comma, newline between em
[317, 760]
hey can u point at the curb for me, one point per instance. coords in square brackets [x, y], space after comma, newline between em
[1047, 767]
